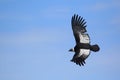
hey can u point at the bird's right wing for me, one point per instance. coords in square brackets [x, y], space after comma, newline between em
[78, 25]
[80, 56]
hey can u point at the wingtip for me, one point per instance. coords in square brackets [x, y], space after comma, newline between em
[80, 63]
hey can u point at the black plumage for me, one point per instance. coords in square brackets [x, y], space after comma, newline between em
[82, 48]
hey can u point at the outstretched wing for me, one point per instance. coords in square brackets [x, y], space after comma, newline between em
[78, 26]
[81, 54]
[79, 57]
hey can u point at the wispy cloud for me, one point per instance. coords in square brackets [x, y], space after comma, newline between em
[55, 12]
[109, 58]
[16, 16]
[33, 36]
[45, 13]
[101, 6]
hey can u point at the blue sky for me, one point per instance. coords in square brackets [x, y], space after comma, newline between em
[35, 36]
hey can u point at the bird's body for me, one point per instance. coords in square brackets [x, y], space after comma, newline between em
[82, 48]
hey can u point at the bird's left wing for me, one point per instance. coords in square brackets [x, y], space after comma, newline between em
[78, 26]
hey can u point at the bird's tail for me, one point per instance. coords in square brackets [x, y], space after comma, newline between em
[94, 48]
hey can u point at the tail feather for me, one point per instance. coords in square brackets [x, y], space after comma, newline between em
[94, 48]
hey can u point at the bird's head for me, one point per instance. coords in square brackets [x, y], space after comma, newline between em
[71, 50]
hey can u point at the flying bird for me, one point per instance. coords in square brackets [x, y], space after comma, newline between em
[83, 47]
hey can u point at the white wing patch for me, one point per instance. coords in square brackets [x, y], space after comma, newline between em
[84, 52]
[84, 38]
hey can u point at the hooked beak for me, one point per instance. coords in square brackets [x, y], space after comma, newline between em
[71, 50]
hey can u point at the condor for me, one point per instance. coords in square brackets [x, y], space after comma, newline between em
[83, 47]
